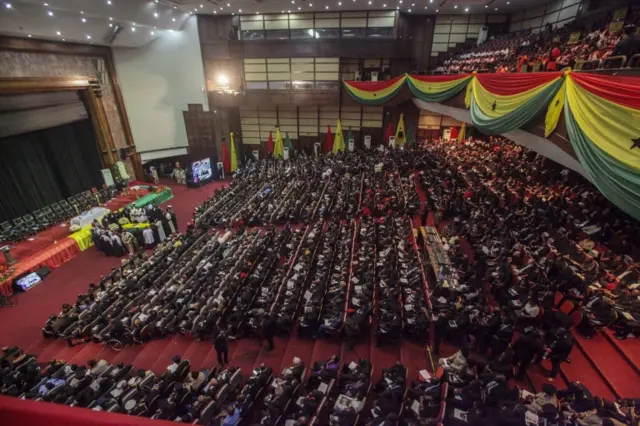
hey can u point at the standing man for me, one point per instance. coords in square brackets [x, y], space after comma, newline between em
[269, 330]
[559, 351]
[171, 219]
[525, 350]
[221, 345]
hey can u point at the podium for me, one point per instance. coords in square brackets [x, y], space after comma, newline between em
[6, 251]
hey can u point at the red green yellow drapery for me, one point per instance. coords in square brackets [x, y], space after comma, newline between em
[374, 92]
[437, 88]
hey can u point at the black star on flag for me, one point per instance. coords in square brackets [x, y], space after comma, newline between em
[636, 143]
[493, 107]
[557, 102]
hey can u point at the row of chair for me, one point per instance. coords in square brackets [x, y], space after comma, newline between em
[31, 224]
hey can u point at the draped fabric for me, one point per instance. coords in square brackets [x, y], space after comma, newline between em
[603, 122]
[46, 166]
[374, 92]
[437, 88]
[499, 109]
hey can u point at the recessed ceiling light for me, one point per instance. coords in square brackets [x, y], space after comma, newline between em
[496, 8]
[64, 39]
[88, 37]
[81, 12]
[46, 4]
[239, 10]
[109, 2]
[339, 3]
[110, 18]
[173, 19]
[288, 11]
[413, 4]
[7, 5]
[50, 13]
[455, 7]
[409, 10]
[233, 13]
[310, 4]
[156, 1]
[221, 7]
[29, 35]
[326, 7]
[201, 6]
[228, 4]
[299, 8]
[508, 2]
[384, 5]
[437, 11]
[84, 20]
[175, 7]
[133, 29]
[257, 13]
[155, 15]
[215, 11]
[466, 9]
[111, 25]
[400, 1]
[152, 33]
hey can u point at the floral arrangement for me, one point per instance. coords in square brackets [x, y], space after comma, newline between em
[5, 272]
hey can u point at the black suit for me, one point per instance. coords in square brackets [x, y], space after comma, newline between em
[221, 346]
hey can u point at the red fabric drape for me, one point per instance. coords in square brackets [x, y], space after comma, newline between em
[511, 84]
[328, 142]
[388, 133]
[621, 90]
[372, 86]
[454, 133]
[439, 78]
[226, 160]
[270, 145]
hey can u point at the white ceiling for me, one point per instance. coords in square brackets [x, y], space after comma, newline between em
[93, 21]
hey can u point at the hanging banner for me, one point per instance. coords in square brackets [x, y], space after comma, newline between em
[367, 141]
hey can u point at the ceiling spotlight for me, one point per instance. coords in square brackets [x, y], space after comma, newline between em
[221, 7]
[397, 8]
[109, 2]
[455, 7]
[64, 39]
[81, 12]
[384, 5]
[293, 1]
[152, 33]
[175, 7]
[228, 4]
[29, 35]
[239, 10]
[84, 20]
[409, 10]
[50, 13]
[133, 29]
[215, 12]
[326, 7]
[155, 15]
[413, 4]
[156, 1]
[288, 11]
[257, 13]
[7, 5]
[201, 6]
[111, 25]
[437, 11]
[400, 2]
[110, 18]
[173, 19]
[508, 2]
[310, 4]
[496, 8]
[466, 9]
[88, 37]
[57, 32]
[46, 4]
[339, 3]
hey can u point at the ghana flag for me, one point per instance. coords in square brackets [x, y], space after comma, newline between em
[602, 114]
[374, 92]
[437, 88]
[502, 102]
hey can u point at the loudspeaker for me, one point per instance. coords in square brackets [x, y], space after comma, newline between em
[43, 271]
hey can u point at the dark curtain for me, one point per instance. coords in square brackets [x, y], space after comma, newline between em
[42, 167]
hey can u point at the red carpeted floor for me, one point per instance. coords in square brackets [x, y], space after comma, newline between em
[21, 327]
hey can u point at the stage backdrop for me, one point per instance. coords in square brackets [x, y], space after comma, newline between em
[41, 167]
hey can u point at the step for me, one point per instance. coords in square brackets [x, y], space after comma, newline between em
[272, 358]
[610, 364]
[581, 370]
[414, 356]
[244, 354]
[197, 352]
[628, 348]
[148, 354]
[177, 345]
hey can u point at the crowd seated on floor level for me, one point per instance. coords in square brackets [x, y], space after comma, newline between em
[583, 44]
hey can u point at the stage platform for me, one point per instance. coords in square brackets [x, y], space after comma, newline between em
[54, 246]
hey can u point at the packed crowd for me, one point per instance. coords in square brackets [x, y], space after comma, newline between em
[541, 237]
[553, 49]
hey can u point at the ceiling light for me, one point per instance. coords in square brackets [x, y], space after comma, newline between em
[133, 29]
[239, 10]
[413, 4]
[299, 8]
[384, 5]
[109, 2]
[84, 20]
[288, 11]
[339, 3]
[496, 8]
[215, 11]
[409, 10]
[81, 12]
[155, 15]
[201, 6]
[111, 25]
[173, 19]
[223, 80]
[175, 7]
[257, 13]
[508, 2]
[437, 10]
[486, 6]
[400, 2]
[397, 8]
[152, 33]
[88, 37]
[228, 4]
[466, 9]
[326, 7]
[156, 1]
[46, 4]
[221, 7]
[455, 7]
[110, 18]
[64, 39]
[50, 13]
[7, 5]
[29, 35]
[58, 32]
[310, 4]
